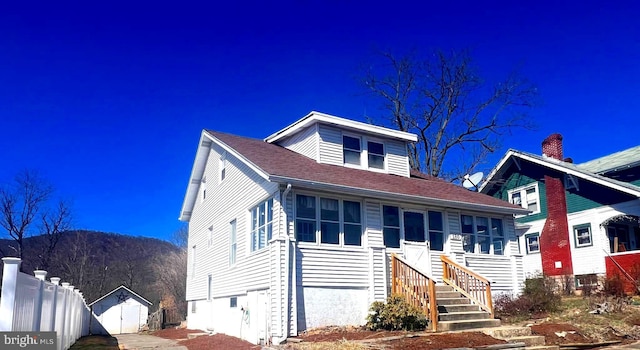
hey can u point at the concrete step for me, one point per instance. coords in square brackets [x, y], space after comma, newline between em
[444, 288]
[528, 340]
[506, 332]
[466, 324]
[465, 315]
[452, 301]
[448, 294]
[458, 308]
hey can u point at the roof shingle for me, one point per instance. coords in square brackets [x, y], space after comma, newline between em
[278, 161]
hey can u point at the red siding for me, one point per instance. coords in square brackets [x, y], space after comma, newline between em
[630, 263]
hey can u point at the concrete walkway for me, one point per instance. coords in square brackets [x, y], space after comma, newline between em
[145, 341]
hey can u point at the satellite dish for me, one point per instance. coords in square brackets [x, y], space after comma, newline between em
[472, 182]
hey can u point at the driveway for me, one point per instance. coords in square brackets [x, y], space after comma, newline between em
[145, 341]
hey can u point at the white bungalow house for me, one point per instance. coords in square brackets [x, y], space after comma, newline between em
[297, 231]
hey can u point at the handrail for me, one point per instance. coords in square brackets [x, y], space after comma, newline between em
[416, 287]
[468, 283]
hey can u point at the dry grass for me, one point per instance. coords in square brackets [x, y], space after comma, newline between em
[96, 342]
[335, 345]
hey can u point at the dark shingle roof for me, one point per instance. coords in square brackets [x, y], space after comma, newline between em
[280, 162]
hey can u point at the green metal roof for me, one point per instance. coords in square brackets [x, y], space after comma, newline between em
[619, 160]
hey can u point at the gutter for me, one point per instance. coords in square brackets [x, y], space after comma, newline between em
[400, 197]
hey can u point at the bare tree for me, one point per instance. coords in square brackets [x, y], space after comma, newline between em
[24, 212]
[458, 118]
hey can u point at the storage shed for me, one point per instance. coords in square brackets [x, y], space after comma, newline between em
[119, 311]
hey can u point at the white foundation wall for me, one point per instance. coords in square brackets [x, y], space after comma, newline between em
[326, 306]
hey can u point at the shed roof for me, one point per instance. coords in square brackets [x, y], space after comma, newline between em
[119, 288]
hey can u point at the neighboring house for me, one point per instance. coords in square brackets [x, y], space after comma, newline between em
[119, 311]
[296, 231]
[584, 217]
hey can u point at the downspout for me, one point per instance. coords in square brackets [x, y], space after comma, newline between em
[288, 301]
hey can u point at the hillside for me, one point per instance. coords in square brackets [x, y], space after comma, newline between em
[98, 262]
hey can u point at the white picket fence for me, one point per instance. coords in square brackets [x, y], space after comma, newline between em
[32, 304]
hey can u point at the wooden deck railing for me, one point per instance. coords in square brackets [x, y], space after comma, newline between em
[416, 287]
[470, 284]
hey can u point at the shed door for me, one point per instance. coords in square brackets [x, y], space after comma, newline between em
[130, 322]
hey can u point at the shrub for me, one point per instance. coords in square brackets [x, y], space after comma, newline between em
[614, 286]
[538, 296]
[395, 314]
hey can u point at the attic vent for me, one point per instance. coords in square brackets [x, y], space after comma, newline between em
[571, 183]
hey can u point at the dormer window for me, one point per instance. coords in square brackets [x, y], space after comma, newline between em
[351, 149]
[376, 154]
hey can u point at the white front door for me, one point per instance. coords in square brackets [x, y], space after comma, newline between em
[416, 247]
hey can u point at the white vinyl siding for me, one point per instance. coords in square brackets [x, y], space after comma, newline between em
[397, 159]
[330, 145]
[326, 267]
[241, 190]
[373, 224]
[304, 142]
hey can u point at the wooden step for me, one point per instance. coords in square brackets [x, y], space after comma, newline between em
[466, 324]
[465, 315]
[443, 288]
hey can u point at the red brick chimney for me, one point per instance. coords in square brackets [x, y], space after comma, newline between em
[555, 247]
[552, 146]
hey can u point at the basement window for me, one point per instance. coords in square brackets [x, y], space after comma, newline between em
[233, 302]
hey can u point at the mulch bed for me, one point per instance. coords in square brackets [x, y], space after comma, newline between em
[562, 333]
[218, 341]
[444, 341]
[328, 334]
[173, 333]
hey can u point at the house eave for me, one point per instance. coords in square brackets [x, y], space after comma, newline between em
[398, 196]
[317, 117]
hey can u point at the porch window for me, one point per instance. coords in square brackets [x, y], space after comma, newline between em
[391, 226]
[375, 151]
[526, 197]
[482, 235]
[351, 150]
[533, 242]
[582, 235]
[340, 221]
[352, 223]
[261, 224]
[436, 231]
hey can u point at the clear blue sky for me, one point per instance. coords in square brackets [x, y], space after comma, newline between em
[107, 100]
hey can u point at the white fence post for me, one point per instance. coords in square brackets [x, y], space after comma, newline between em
[55, 281]
[9, 288]
[37, 306]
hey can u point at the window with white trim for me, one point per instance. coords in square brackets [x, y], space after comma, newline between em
[582, 235]
[233, 246]
[436, 230]
[391, 226]
[352, 149]
[527, 197]
[532, 241]
[222, 165]
[375, 152]
[339, 221]
[210, 237]
[482, 235]
[261, 224]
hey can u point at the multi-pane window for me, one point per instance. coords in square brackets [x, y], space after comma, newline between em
[582, 235]
[391, 226]
[261, 224]
[526, 197]
[375, 151]
[351, 150]
[482, 235]
[305, 218]
[233, 246]
[436, 231]
[532, 241]
[222, 167]
[340, 221]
